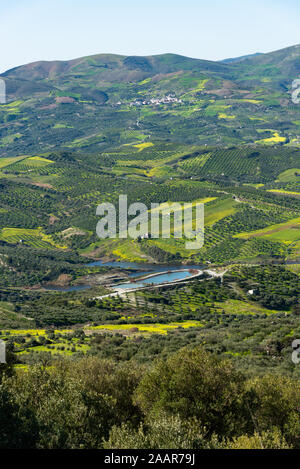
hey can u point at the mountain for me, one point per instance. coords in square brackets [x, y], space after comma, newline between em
[284, 62]
[105, 100]
[115, 67]
[239, 59]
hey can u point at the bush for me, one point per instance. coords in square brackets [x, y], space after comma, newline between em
[164, 432]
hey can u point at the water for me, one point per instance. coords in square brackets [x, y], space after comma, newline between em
[67, 289]
[181, 272]
[156, 279]
[139, 271]
[143, 269]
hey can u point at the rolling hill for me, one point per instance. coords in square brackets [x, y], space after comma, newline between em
[167, 127]
[94, 102]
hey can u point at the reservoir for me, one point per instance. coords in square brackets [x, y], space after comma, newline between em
[156, 279]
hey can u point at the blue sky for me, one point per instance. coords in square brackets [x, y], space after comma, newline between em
[213, 29]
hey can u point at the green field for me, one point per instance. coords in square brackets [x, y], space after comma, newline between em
[285, 232]
[218, 210]
[152, 328]
[290, 175]
[35, 238]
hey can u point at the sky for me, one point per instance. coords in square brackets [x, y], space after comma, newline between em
[34, 30]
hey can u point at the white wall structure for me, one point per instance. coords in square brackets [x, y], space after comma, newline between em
[2, 91]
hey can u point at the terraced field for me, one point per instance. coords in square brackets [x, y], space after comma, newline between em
[35, 238]
[59, 191]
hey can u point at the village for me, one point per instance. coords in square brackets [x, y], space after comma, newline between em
[168, 99]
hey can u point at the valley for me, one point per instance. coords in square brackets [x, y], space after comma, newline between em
[159, 129]
[56, 273]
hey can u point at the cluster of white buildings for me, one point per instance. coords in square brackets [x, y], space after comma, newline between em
[169, 99]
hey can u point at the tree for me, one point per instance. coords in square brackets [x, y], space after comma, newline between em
[194, 384]
[275, 404]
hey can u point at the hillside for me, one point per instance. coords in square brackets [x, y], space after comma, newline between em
[94, 102]
[79, 132]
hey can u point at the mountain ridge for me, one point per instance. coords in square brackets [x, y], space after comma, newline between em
[229, 61]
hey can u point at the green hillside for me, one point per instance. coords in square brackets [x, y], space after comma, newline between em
[103, 100]
[158, 128]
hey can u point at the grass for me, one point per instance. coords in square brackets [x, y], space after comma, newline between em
[144, 82]
[38, 160]
[272, 140]
[142, 146]
[256, 186]
[282, 191]
[9, 139]
[24, 164]
[32, 332]
[193, 165]
[61, 348]
[241, 307]
[173, 246]
[13, 104]
[162, 172]
[257, 119]
[295, 268]
[222, 115]
[218, 210]
[164, 207]
[31, 237]
[8, 161]
[129, 250]
[290, 175]
[155, 328]
[163, 211]
[214, 109]
[287, 232]
[85, 141]
[123, 249]
[31, 163]
[62, 126]
[251, 101]
[132, 134]
[199, 87]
